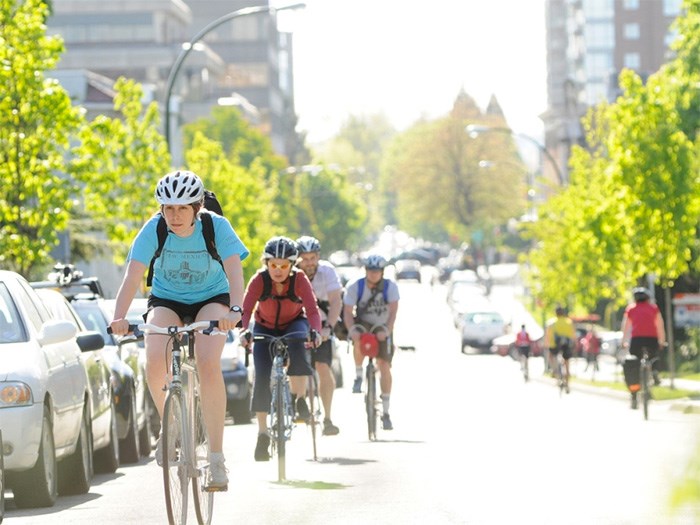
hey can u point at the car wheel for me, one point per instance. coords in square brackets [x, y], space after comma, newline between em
[107, 459]
[38, 487]
[75, 471]
[240, 411]
[146, 433]
[129, 446]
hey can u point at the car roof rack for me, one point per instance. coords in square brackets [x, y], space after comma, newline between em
[71, 283]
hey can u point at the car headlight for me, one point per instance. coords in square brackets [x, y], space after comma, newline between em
[15, 394]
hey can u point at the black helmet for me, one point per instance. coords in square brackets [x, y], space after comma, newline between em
[281, 248]
[641, 294]
[308, 244]
[560, 310]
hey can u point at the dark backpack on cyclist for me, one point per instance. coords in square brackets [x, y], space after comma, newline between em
[211, 204]
[267, 287]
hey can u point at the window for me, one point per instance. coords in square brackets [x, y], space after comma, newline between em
[631, 5]
[631, 31]
[632, 61]
[599, 8]
[672, 7]
[11, 328]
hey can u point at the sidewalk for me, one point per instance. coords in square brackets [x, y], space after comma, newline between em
[610, 371]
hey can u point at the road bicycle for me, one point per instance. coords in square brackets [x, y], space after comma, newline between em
[314, 420]
[369, 347]
[184, 439]
[523, 353]
[560, 371]
[281, 417]
[646, 377]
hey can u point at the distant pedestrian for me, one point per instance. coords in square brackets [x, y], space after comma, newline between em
[591, 346]
[522, 344]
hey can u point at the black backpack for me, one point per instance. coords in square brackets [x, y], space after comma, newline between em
[267, 287]
[211, 204]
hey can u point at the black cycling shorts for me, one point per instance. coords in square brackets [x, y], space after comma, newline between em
[186, 312]
[322, 354]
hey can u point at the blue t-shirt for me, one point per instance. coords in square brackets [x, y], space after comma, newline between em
[185, 272]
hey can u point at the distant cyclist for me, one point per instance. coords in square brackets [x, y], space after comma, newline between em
[643, 327]
[561, 338]
[328, 291]
[377, 304]
[188, 285]
[523, 344]
[280, 299]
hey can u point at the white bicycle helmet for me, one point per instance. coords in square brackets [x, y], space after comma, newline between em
[308, 244]
[179, 187]
[281, 248]
[375, 262]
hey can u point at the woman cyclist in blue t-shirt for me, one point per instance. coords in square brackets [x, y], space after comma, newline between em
[188, 285]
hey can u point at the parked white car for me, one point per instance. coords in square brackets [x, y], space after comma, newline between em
[44, 409]
[480, 327]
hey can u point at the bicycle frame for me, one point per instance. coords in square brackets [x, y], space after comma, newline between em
[371, 398]
[184, 439]
[645, 378]
[281, 416]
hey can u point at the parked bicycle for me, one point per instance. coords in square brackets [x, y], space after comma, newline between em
[184, 438]
[369, 346]
[281, 417]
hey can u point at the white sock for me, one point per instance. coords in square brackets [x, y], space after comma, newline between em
[385, 403]
[216, 456]
[358, 372]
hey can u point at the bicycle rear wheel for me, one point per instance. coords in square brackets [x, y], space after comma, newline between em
[203, 499]
[645, 389]
[371, 402]
[174, 446]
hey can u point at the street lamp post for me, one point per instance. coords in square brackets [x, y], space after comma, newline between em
[474, 130]
[175, 69]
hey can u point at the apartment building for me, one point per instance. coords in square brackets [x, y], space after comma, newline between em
[588, 43]
[245, 61]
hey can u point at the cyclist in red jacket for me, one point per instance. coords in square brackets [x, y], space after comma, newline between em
[282, 301]
[643, 327]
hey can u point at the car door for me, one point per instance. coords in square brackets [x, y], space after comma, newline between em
[66, 383]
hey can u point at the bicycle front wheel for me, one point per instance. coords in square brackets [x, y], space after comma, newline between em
[203, 499]
[279, 416]
[371, 402]
[314, 407]
[174, 446]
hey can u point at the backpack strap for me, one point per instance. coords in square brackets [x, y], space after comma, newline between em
[361, 289]
[162, 232]
[207, 233]
[210, 236]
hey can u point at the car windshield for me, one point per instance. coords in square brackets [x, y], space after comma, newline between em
[11, 328]
[483, 318]
[93, 319]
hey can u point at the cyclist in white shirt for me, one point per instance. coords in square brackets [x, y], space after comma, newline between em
[328, 291]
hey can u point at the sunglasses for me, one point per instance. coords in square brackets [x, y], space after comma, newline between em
[280, 266]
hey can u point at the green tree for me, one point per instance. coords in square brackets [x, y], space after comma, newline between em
[36, 123]
[118, 162]
[443, 180]
[245, 199]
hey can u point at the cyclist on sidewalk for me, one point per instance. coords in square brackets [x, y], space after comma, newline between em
[281, 300]
[560, 337]
[376, 305]
[188, 285]
[328, 291]
[643, 327]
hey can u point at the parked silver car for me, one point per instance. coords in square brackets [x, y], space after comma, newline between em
[101, 381]
[44, 398]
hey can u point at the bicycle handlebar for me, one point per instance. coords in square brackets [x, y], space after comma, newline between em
[375, 328]
[141, 329]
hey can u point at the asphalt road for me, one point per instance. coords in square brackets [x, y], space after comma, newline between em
[472, 444]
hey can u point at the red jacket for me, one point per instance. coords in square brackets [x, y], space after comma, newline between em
[278, 312]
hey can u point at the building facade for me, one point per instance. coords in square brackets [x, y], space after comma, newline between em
[245, 61]
[589, 42]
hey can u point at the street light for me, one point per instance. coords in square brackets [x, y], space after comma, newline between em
[475, 130]
[187, 48]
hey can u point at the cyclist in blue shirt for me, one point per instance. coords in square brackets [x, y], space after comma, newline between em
[188, 285]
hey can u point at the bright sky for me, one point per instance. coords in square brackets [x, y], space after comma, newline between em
[409, 59]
